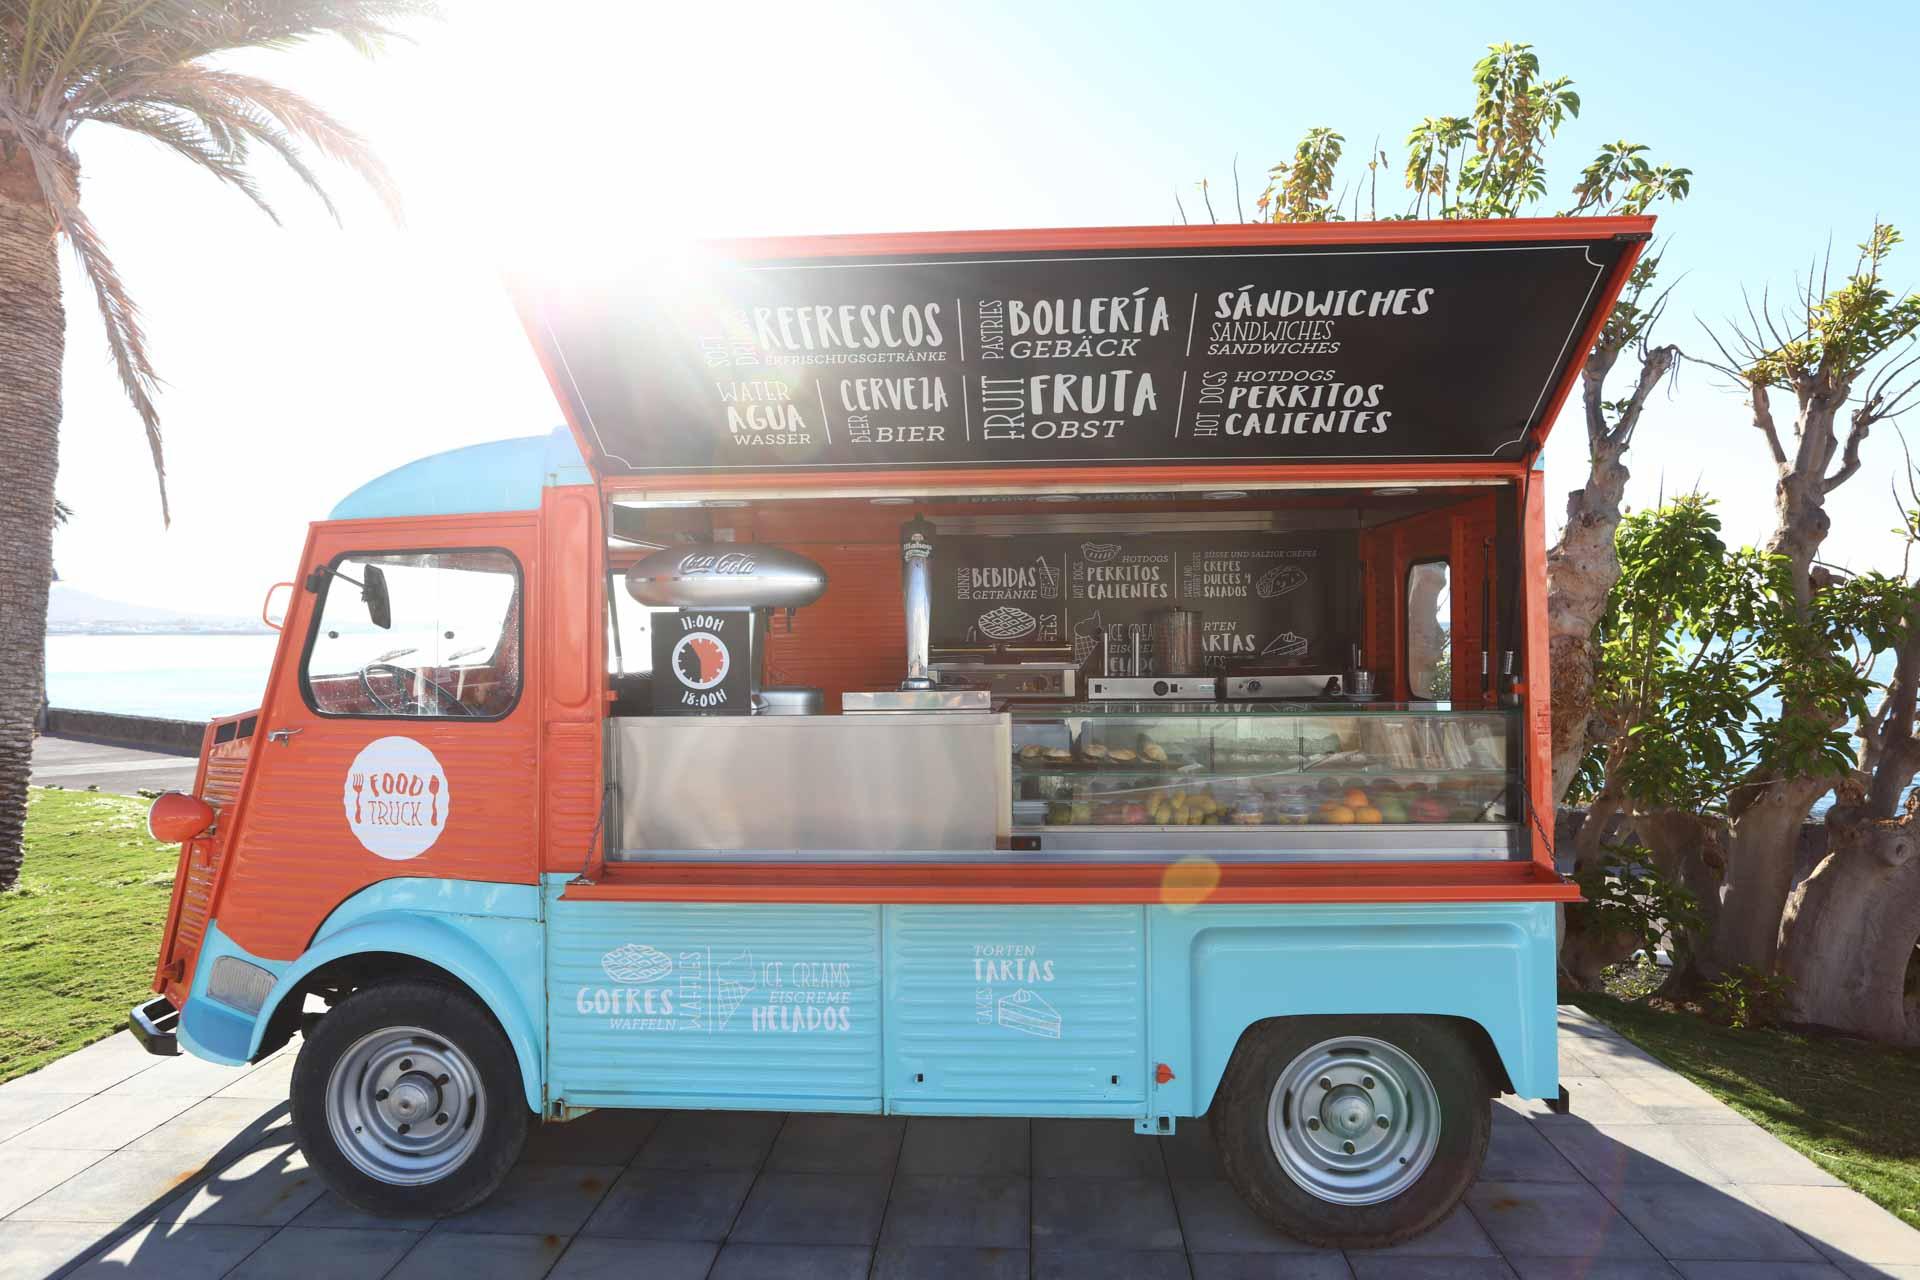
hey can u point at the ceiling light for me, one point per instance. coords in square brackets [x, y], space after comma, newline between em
[1395, 491]
[1224, 495]
[892, 502]
[1057, 497]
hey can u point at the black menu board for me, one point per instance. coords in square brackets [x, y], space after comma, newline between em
[1421, 349]
[1265, 599]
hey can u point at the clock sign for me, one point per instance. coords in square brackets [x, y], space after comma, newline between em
[701, 661]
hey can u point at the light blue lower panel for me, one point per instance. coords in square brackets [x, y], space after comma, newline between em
[696, 1005]
[1219, 969]
[1016, 1010]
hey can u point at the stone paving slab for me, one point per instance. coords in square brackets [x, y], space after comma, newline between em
[116, 1163]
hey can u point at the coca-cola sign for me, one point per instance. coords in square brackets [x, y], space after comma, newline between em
[719, 575]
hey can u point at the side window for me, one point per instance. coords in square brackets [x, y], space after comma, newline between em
[1429, 631]
[433, 634]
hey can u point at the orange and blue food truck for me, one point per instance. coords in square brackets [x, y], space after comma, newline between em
[1071, 673]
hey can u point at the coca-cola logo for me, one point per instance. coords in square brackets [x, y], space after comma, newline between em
[730, 564]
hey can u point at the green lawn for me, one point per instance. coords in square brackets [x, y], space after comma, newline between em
[1853, 1108]
[80, 933]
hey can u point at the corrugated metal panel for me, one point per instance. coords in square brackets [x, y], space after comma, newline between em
[222, 769]
[1008, 1005]
[697, 1005]
[296, 859]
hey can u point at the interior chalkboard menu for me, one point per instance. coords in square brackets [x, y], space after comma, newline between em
[1413, 350]
[1266, 599]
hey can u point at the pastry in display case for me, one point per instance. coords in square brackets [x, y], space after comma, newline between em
[1153, 765]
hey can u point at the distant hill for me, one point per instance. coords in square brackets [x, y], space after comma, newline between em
[71, 611]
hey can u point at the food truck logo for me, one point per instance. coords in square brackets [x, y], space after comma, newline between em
[397, 798]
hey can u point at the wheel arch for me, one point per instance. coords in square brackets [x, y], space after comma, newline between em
[1478, 1039]
[402, 944]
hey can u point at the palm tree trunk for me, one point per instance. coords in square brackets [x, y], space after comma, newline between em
[32, 340]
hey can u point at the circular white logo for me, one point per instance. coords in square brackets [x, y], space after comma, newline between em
[397, 798]
[700, 660]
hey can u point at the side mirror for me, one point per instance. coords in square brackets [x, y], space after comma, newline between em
[373, 593]
[273, 613]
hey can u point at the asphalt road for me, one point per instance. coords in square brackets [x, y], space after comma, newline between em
[66, 762]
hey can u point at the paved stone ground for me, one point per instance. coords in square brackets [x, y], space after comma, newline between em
[76, 765]
[116, 1163]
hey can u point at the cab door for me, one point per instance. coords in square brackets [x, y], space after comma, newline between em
[398, 736]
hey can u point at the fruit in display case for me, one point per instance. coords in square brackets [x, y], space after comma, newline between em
[1335, 812]
[1367, 814]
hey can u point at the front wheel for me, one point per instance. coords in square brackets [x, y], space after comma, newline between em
[1353, 1132]
[406, 1098]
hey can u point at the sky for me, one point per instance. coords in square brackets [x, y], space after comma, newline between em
[304, 359]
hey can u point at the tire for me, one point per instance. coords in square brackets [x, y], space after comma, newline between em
[453, 1075]
[1284, 1136]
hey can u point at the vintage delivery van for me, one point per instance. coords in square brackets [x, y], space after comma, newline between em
[1093, 673]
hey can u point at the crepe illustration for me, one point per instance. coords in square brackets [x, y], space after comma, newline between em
[636, 963]
[1008, 623]
[1024, 1011]
[1279, 580]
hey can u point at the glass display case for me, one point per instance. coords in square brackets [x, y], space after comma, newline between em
[1417, 779]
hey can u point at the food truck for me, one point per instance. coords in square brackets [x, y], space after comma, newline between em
[1070, 673]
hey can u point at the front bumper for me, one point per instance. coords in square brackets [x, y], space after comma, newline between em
[155, 1025]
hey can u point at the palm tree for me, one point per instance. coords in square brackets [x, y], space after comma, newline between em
[144, 66]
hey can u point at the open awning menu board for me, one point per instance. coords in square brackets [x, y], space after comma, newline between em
[1266, 599]
[1256, 345]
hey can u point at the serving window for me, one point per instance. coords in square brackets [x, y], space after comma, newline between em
[1282, 755]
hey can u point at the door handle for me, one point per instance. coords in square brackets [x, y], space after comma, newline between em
[281, 735]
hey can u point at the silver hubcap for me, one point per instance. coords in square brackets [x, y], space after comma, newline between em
[1354, 1120]
[405, 1107]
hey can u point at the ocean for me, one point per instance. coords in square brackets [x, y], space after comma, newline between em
[181, 677]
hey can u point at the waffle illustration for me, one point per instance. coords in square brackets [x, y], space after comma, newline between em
[1008, 623]
[1024, 1011]
[636, 963]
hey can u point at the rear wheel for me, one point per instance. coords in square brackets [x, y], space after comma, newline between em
[406, 1098]
[1353, 1132]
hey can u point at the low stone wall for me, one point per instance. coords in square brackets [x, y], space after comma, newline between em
[147, 733]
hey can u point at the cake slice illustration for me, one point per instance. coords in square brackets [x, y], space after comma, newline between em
[1024, 1011]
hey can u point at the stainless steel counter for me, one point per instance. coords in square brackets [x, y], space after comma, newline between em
[812, 783]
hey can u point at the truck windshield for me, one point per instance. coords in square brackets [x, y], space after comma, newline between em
[452, 649]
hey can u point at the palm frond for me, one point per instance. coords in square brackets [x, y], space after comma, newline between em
[207, 144]
[139, 65]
